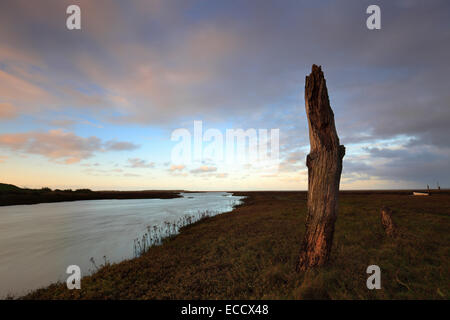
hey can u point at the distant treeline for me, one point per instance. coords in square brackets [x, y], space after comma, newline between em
[10, 188]
[13, 195]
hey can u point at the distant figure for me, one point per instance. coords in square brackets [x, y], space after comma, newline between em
[428, 187]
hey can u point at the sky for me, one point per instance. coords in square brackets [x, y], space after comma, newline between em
[98, 107]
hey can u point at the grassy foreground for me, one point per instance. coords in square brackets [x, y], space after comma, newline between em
[250, 253]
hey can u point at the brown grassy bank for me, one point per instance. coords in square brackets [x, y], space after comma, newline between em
[251, 253]
[34, 196]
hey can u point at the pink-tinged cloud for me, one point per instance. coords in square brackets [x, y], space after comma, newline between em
[7, 111]
[179, 167]
[27, 81]
[149, 83]
[14, 88]
[204, 169]
[59, 145]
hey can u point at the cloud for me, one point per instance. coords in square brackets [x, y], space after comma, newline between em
[204, 169]
[163, 62]
[293, 162]
[63, 123]
[14, 88]
[352, 166]
[59, 145]
[120, 145]
[108, 172]
[386, 153]
[215, 61]
[7, 111]
[415, 165]
[140, 163]
[214, 175]
[131, 175]
[221, 175]
[66, 122]
[179, 167]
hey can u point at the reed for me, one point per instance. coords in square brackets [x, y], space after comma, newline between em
[156, 234]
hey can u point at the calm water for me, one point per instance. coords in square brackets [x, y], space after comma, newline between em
[38, 242]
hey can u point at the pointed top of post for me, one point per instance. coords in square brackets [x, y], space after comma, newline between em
[315, 68]
[316, 74]
[320, 115]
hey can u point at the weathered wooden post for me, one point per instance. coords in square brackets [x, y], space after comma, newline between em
[387, 223]
[324, 164]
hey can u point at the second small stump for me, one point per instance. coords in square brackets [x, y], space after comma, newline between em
[386, 221]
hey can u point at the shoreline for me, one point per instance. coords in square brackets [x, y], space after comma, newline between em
[37, 196]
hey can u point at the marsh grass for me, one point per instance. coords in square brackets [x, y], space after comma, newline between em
[251, 253]
[156, 234]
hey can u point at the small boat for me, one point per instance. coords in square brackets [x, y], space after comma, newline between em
[421, 194]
